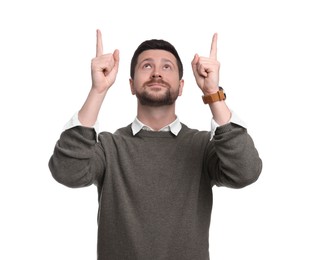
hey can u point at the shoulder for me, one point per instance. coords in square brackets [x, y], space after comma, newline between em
[194, 137]
[119, 133]
[187, 131]
[124, 131]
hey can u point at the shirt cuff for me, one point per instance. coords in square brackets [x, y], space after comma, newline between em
[234, 119]
[74, 121]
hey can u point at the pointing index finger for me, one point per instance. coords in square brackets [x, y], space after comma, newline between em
[99, 43]
[213, 50]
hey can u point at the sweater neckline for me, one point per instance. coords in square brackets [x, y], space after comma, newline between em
[159, 134]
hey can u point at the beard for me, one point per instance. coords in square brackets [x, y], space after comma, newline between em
[157, 99]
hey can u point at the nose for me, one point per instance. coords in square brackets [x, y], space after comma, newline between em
[156, 75]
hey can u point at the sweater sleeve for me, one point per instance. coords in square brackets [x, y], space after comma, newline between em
[237, 162]
[78, 159]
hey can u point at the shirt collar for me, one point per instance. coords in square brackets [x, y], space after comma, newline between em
[174, 127]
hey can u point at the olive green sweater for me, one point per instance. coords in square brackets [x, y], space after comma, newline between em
[155, 189]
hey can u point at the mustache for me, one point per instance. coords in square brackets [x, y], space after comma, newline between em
[157, 81]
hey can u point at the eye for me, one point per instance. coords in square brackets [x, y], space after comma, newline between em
[147, 66]
[167, 66]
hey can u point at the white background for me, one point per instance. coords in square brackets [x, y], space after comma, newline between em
[266, 50]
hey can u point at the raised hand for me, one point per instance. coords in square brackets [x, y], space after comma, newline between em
[104, 67]
[206, 69]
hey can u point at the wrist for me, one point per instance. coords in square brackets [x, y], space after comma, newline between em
[210, 88]
[212, 97]
[210, 91]
[98, 92]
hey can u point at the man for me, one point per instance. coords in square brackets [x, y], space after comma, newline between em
[155, 176]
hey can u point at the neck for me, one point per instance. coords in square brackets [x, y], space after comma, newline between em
[156, 117]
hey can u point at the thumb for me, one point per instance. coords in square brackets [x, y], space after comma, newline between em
[195, 60]
[116, 58]
[194, 63]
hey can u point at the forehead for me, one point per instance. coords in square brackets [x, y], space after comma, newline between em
[156, 55]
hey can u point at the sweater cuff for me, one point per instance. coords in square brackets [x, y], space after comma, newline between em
[74, 121]
[234, 119]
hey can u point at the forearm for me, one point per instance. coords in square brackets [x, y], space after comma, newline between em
[89, 112]
[220, 112]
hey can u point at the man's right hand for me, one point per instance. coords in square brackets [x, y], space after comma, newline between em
[104, 67]
[104, 70]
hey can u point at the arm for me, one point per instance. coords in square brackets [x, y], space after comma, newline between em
[104, 70]
[206, 72]
[236, 163]
[77, 159]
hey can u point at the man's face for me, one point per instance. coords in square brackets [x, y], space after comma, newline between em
[156, 80]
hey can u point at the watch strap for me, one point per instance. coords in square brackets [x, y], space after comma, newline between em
[218, 96]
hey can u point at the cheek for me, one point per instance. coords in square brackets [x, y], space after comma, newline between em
[139, 79]
[135, 85]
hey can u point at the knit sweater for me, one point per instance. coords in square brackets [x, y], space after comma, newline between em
[155, 188]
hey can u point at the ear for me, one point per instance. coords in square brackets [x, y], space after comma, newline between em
[132, 88]
[181, 86]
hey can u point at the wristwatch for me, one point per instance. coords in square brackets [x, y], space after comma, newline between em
[218, 96]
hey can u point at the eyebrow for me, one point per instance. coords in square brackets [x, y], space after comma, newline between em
[150, 59]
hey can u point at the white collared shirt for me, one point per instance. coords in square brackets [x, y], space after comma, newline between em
[174, 127]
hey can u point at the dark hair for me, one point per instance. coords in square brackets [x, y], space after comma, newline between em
[155, 44]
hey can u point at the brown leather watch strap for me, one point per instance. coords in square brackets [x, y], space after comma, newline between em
[218, 96]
